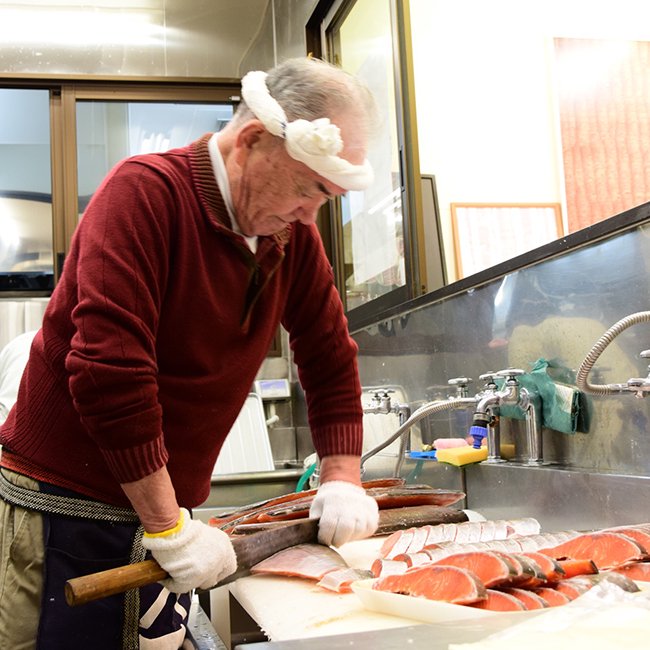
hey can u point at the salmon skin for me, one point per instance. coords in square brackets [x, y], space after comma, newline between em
[413, 495]
[387, 497]
[446, 583]
[393, 519]
[223, 519]
[390, 519]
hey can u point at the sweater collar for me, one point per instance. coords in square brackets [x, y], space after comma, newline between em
[204, 175]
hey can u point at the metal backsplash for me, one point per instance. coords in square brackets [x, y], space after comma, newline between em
[557, 309]
[151, 38]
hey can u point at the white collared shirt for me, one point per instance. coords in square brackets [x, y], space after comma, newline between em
[221, 176]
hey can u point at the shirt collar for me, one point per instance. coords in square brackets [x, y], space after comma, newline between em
[221, 177]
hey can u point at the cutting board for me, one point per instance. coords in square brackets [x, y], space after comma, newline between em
[293, 608]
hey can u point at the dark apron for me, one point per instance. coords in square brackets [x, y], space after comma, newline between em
[75, 546]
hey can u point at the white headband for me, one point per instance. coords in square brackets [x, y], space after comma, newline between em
[316, 143]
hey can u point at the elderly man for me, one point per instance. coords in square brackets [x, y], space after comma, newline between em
[179, 274]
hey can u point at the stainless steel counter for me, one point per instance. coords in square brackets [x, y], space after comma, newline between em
[200, 633]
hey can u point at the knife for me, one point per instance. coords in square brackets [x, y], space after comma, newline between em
[249, 549]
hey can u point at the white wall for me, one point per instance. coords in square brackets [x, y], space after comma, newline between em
[484, 79]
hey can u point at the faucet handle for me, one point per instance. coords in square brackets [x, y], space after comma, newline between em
[510, 374]
[488, 378]
[461, 384]
[380, 393]
[460, 381]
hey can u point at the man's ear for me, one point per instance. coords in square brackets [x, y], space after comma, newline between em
[249, 136]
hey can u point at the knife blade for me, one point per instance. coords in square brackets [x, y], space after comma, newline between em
[249, 549]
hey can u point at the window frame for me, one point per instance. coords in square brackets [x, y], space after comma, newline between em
[325, 19]
[64, 94]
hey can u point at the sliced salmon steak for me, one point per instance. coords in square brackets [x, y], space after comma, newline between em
[519, 572]
[607, 550]
[311, 561]
[529, 598]
[446, 583]
[572, 568]
[383, 567]
[532, 574]
[413, 559]
[552, 596]
[638, 571]
[489, 567]
[584, 583]
[639, 533]
[549, 566]
[340, 580]
[619, 579]
[414, 540]
[500, 601]
[572, 588]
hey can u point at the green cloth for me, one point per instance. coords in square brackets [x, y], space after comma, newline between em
[560, 403]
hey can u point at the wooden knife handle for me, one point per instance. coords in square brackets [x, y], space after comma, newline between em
[84, 589]
[249, 549]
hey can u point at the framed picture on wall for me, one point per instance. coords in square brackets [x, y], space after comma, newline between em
[486, 234]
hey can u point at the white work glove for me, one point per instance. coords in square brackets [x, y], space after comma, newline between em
[345, 511]
[195, 555]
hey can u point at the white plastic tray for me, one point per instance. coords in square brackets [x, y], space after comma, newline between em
[423, 609]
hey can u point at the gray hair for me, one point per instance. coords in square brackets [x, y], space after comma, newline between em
[309, 88]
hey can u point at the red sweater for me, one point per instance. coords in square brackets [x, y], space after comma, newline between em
[157, 328]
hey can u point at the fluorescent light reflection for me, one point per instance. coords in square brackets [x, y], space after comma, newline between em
[41, 26]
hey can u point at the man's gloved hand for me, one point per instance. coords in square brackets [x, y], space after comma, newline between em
[194, 554]
[345, 511]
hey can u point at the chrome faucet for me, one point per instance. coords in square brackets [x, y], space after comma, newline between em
[382, 404]
[640, 386]
[487, 416]
[423, 411]
[485, 405]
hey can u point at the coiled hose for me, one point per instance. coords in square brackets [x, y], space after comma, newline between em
[600, 345]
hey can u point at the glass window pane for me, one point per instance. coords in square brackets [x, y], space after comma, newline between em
[26, 258]
[372, 220]
[108, 132]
